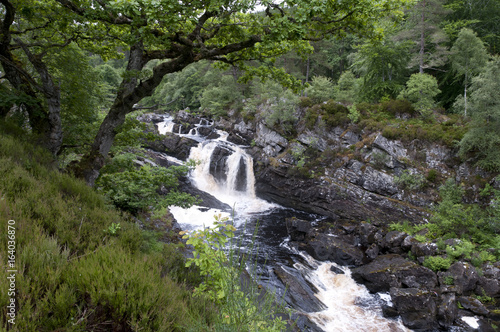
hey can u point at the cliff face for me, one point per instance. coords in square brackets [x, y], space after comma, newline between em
[348, 173]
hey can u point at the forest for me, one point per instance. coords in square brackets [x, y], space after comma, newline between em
[75, 75]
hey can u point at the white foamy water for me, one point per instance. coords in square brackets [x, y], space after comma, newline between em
[243, 202]
[196, 217]
[350, 306]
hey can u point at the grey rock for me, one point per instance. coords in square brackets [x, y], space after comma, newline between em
[417, 307]
[474, 305]
[392, 270]
[424, 249]
[393, 148]
[447, 310]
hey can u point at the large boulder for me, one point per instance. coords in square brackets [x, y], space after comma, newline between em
[325, 247]
[173, 145]
[298, 228]
[417, 307]
[447, 310]
[392, 270]
[464, 276]
[298, 291]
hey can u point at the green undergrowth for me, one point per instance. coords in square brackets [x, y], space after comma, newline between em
[83, 265]
[473, 230]
[396, 119]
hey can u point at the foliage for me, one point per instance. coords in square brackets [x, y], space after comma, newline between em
[483, 138]
[239, 310]
[420, 91]
[422, 28]
[135, 189]
[437, 263]
[409, 180]
[354, 114]
[347, 88]
[277, 105]
[382, 66]
[468, 57]
[321, 89]
[221, 96]
[74, 275]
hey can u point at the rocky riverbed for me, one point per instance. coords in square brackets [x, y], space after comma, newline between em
[356, 185]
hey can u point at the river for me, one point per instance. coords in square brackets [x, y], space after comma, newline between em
[325, 293]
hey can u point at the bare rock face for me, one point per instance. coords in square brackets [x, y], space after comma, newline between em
[272, 142]
[447, 310]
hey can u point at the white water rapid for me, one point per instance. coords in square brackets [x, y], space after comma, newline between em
[225, 171]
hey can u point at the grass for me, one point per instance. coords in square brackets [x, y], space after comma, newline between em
[73, 273]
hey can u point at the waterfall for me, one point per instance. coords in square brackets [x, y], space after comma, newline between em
[225, 170]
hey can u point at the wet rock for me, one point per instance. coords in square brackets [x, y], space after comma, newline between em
[297, 228]
[298, 292]
[324, 247]
[447, 310]
[206, 200]
[205, 131]
[304, 323]
[417, 307]
[336, 270]
[218, 162]
[392, 270]
[474, 305]
[173, 145]
[237, 139]
[389, 311]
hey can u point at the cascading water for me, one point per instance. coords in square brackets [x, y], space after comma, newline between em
[225, 171]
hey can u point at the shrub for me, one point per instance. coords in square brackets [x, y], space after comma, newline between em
[321, 89]
[437, 263]
[135, 189]
[432, 175]
[239, 310]
[420, 91]
[409, 180]
[332, 107]
[397, 106]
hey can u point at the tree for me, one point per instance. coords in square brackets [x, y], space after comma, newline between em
[483, 138]
[382, 66]
[420, 91]
[429, 39]
[478, 15]
[177, 34]
[468, 57]
[321, 89]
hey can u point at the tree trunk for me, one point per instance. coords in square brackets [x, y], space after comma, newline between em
[128, 95]
[422, 39]
[54, 136]
[465, 100]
